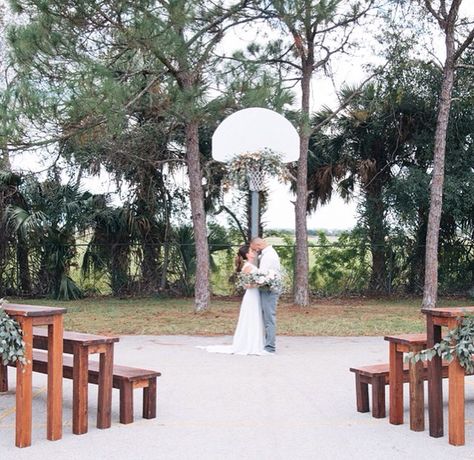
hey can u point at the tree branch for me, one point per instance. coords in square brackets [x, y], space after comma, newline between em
[346, 102]
[232, 10]
[457, 54]
[342, 23]
[441, 20]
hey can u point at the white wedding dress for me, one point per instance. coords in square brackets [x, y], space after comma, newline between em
[249, 337]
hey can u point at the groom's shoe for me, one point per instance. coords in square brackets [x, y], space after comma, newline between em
[270, 350]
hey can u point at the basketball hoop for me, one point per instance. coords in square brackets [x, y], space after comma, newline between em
[256, 143]
[256, 180]
[253, 168]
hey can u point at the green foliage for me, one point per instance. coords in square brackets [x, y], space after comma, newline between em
[286, 252]
[340, 267]
[184, 255]
[47, 223]
[12, 346]
[457, 343]
[108, 251]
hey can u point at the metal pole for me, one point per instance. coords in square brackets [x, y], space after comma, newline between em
[254, 212]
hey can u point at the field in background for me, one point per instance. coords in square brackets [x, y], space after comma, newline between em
[220, 279]
[332, 317]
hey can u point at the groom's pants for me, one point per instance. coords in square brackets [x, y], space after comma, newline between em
[269, 303]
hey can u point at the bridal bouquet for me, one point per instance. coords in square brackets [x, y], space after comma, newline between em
[263, 279]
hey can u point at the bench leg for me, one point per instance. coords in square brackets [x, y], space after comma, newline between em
[106, 373]
[126, 402]
[79, 390]
[378, 397]
[362, 394]
[149, 399]
[3, 378]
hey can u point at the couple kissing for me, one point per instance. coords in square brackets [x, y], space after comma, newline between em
[259, 270]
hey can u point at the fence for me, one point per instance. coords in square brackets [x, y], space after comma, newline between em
[129, 270]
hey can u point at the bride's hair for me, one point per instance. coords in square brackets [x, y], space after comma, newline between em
[241, 257]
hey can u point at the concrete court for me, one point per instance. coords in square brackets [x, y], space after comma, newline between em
[298, 404]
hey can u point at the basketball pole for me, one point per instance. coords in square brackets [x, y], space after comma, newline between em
[254, 212]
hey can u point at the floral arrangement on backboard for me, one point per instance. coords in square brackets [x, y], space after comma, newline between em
[253, 168]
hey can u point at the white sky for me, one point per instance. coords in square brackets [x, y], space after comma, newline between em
[336, 215]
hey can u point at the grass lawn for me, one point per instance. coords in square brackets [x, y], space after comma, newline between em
[333, 317]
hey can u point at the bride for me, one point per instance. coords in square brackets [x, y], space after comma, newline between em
[249, 334]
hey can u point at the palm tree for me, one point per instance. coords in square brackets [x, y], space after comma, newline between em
[363, 143]
[49, 223]
[184, 267]
[10, 195]
[109, 249]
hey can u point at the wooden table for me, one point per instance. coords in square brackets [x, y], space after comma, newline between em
[400, 344]
[436, 318]
[29, 316]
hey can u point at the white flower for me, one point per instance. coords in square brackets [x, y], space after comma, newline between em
[268, 280]
[265, 161]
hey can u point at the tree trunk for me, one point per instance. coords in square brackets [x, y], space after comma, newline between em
[196, 196]
[430, 291]
[301, 285]
[375, 215]
[4, 165]
[167, 247]
[417, 267]
[5, 159]
[22, 256]
[376, 211]
[149, 234]
[120, 263]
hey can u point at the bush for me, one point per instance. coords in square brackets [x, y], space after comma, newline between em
[340, 267]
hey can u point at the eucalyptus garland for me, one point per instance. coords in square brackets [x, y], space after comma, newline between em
[265, 162]
[12, 346]
[457, 343]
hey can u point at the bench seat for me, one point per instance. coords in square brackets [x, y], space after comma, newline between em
[71, 339]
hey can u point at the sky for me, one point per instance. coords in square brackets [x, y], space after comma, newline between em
[337, 215]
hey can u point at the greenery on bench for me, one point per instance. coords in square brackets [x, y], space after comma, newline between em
[458, 343]
[12, 346]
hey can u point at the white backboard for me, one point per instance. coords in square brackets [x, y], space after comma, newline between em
[252, 130]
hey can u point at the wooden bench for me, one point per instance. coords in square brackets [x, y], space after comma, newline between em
[377, 375]
[82, 345]
[125, 378]
[103, 373]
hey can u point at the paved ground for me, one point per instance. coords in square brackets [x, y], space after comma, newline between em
[298, 404]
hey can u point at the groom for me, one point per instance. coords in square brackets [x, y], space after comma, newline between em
[268, 260]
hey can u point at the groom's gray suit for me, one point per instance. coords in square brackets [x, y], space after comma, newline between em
[269, 260]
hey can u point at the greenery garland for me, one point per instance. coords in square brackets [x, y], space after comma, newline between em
[457, 343]
[264, 161]
[12, 346]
